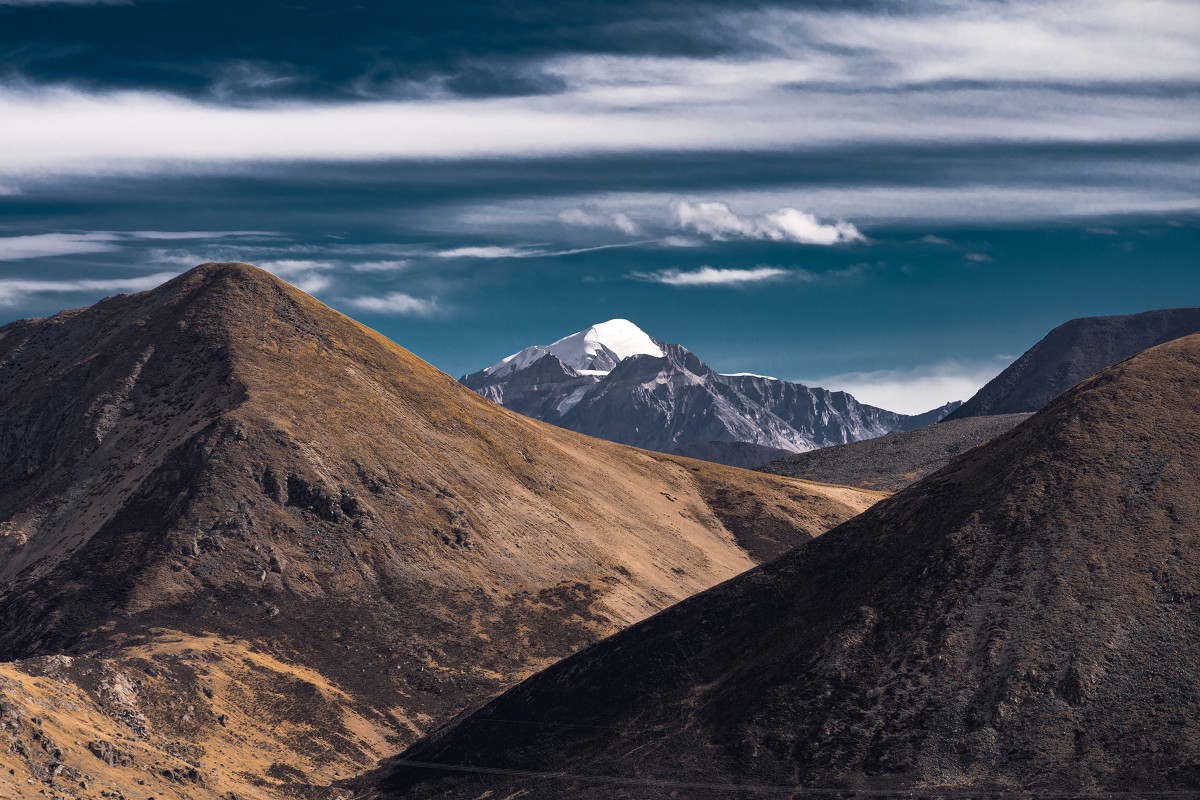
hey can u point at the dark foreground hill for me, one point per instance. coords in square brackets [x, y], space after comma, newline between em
[247, 544]
[891, 462]
[1071, 352]
[1028, 618]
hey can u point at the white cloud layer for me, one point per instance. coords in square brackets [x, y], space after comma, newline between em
[712, 276]
[719, 222]
[15, 248]
[395, 303]
[940, 72]
[914, 390]
[16, 291]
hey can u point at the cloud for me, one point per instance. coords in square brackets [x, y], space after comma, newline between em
[395, 303]
[490, 251]
[916, 389]
[719, 222]
[41, 245]
[929, 238]
[592, 217]
[680, 241]
[15, 291]
[307, 275]
[285, 267]
[168, 235]
[712, 276]
[382, 266]
[979, 258]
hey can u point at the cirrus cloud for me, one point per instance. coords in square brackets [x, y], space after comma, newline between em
[395, 303]
[713, 276]
[16, 291]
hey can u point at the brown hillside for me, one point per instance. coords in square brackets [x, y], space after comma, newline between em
[1025, 620]
[223, 475]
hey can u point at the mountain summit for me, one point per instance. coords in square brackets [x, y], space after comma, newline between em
[234, 518]
[1027, 619]
[1073, 351]
[615, 382]
[595, 350]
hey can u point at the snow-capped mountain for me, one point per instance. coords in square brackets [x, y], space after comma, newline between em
[595, 350]
[615, 382]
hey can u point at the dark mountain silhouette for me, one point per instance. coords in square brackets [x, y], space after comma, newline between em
[1026, 619]
[889, 463]
[236, 522]
[1071, 352]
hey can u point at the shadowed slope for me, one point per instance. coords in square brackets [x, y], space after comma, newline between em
[889, 463]
[1026, 618]
[1071, 352]
[224, 460]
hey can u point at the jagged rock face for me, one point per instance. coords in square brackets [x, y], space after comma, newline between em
[1025, 619]
[675, 401]
[226, 459]
[1073, 351]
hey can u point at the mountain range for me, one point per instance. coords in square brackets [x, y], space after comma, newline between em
[1024, 620]
[615, 382]
[250, 545]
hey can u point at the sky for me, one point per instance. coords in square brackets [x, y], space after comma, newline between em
[891, 198]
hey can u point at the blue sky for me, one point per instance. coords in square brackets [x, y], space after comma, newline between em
[892, 198]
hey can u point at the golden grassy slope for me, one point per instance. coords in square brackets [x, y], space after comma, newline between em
[226, 459]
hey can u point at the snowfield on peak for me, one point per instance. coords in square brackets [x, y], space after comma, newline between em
[595, 350]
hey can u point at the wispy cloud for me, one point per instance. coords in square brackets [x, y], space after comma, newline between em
[40, 245]
[593, 217]
[979, 258]
[395, 303]
[712, 276]
[168, 235]
[488, 251]
[16, 291]
[307, 275]
[916, 389]
[719, 222]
